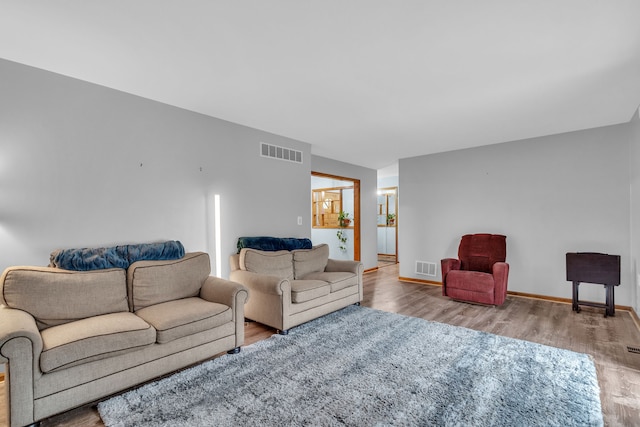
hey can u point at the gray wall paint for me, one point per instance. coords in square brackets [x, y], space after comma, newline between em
[70, 176]
[550, 195]
[83, 166]
[634, 160]
[368, 201]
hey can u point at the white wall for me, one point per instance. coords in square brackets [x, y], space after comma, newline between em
[329, 236]
[387, 240]
[83, 166]
[388, 181]
[634, 160]
[549, 196]
[368, 178]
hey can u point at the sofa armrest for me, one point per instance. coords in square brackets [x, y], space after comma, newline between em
[500, 277]
[344, 265]
[231, 294]
[225, 292]
[261, 282]
[18, 324]
[20, 348]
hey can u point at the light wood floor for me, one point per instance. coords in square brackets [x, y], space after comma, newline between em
[544, 322]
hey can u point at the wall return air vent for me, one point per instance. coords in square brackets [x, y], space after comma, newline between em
[426, 268]
[280, 153]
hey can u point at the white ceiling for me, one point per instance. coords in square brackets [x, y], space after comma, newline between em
[364, 81]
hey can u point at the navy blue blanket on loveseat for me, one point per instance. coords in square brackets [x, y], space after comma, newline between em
[273, 243]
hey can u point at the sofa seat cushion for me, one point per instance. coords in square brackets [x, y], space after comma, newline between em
[93, 338]
[307, 290]
[269, 263]
[337, 279]
[471, 281]
[312, 260]
[183, 317]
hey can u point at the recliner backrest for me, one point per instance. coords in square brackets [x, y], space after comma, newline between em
[478, 252]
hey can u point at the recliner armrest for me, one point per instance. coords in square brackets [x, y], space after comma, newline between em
[449, 264]
[500, 277]
[446, 265]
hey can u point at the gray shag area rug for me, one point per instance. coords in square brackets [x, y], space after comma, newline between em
[364, 367]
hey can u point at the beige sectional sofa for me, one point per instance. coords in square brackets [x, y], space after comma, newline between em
[69, 338]
[292, 287]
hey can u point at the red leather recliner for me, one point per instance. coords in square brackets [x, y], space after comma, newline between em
[480, 274]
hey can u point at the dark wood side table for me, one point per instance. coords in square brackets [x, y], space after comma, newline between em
[593, 267]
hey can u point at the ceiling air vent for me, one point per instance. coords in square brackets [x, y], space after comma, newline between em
[280, 153]
[426, 268]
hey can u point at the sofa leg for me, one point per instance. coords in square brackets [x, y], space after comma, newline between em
[234, 351]
[285, 332]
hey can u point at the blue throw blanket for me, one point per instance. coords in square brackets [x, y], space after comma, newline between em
[115, 257]
[273, 243]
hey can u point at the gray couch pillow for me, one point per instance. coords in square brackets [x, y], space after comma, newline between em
[307, 261]
[270, 263]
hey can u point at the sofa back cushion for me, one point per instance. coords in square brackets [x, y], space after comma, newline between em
[155, 282]
[54, 296]
[306, 261]
[270, 263]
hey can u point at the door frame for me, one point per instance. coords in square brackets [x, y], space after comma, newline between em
[356, 208]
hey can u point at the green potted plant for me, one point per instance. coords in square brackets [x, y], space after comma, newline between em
[343, 219]
[391, 219]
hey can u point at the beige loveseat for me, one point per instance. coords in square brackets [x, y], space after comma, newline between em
[69, 338]
[292, 287]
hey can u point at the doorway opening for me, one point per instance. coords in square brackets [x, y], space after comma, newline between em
[335, 214]
[387, 215]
